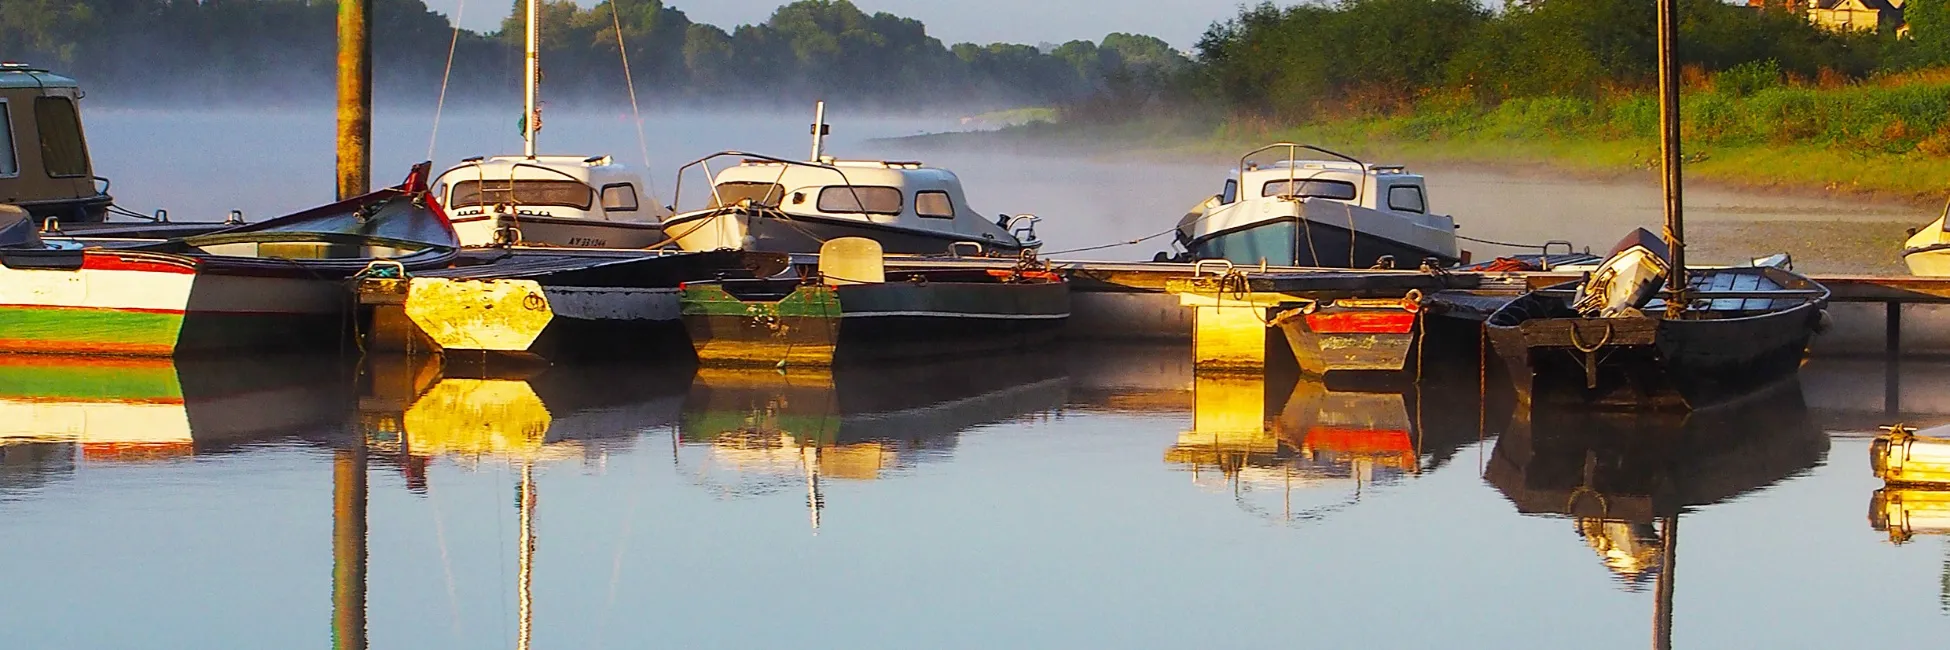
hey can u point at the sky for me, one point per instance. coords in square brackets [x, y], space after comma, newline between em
[1179, 22]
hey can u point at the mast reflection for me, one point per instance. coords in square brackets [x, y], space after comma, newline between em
[1625, 480]
[764, 431]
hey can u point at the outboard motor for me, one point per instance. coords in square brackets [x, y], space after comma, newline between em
[1627, 280]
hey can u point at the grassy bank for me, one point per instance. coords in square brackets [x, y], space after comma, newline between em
[1889, 138]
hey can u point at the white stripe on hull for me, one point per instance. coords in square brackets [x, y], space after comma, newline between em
[592, 234]
[94, 422]
[955, 314]
[95, 289]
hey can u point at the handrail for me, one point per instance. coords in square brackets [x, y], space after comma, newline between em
[677, 195]
[1292, 150]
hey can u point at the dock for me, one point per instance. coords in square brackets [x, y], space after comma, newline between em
[1222, 309]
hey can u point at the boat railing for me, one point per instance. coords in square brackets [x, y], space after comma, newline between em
[1293, 156]
[677, 195]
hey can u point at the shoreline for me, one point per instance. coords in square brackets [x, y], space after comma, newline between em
[1883, 180]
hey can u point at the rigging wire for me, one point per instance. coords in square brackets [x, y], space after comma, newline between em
[441, 105]
[636, 114]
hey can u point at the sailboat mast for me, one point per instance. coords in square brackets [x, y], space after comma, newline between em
[1662, 607]
[1670, 155]
[531, 75]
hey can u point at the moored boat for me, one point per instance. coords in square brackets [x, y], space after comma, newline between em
[1316, 207]
[769, 204]
[854, 309]
[550, 201]
[1611, 340]
[44, 165]
[1927, 251]
[279, 283]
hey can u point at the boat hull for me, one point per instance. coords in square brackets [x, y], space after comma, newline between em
[823, 325]
[549, 231]
[133, 304]
[1292, 241]
[1646, 362]
[1931, 261]
[1339, 338]
[749, 231]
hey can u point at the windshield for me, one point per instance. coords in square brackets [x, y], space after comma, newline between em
[568, 194]
[1341, 190]
[732, 193]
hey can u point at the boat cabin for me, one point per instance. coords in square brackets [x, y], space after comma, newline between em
[1262, 191]
[44, 165]
[901, 195]
[584, 196]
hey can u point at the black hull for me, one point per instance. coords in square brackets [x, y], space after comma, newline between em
[92, 209]
[1646, 362]
[1296, 242]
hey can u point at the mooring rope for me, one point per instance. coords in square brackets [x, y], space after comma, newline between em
[636, 114]
[441, 104]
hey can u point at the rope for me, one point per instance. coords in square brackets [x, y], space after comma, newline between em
[642, 145]
[441, 105]
[1499, 243]
[1139, 240]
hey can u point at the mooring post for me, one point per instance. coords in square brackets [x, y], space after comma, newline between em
[349, 547]
[1893, 336]
[355, 99]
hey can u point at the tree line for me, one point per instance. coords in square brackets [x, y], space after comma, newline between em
[228, 51]
[1360, 57]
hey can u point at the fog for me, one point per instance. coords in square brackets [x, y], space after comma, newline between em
[200, 165]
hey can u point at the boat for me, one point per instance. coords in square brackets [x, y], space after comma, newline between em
[536, 200]
[279, 283]
[764, 203]
[44, 166]
[552, 303]
[1318, 208]
[1615, 340]
[853, 308]
[1927, 251]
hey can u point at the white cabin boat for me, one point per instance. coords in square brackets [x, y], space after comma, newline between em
[589, 202]
[1307, 210]
[44, 166]
[783, 206]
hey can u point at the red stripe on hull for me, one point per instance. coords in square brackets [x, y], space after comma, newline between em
[112, 262]
[1359, 441]
[1362, 322]
[123, 310]
[27, 346]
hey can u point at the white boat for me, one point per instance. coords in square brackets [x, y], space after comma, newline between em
[768, 204]
[530, 200]
[1927, 253]
[534, 200]
[1318, 210]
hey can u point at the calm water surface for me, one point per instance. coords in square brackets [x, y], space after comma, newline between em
[1107, 497]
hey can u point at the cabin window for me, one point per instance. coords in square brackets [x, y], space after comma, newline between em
[619, 197]
[9, 161]
[1407, 198]
[1303, 187]
[733, 193]
[934, 205]
[1231, 192]
[860, 199]
[567, 194]
[62, 151]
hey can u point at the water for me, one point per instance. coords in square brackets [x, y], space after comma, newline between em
[1092, 497]
[1109, 496]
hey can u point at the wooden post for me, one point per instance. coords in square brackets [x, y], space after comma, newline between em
[1669, 153]
[349, 547]
[355, 99]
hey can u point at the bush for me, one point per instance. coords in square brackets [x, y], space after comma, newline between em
[1748, 78]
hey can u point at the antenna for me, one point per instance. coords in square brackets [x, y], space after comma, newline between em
[820, 129]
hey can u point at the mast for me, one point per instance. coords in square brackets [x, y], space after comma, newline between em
[531, 76]
[1670, 156]
[349, 547]
[355, 98]
[819, 130]
[525, 557]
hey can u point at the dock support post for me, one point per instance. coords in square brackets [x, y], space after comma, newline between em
[349, 547]
[355, 98]
[1892, 362]
[1893, 336]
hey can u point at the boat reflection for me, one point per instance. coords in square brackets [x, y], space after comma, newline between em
[1626, 479]
[1907, 512]
[58, 413]
[765, 431]
[414, 410]
[1249, 440]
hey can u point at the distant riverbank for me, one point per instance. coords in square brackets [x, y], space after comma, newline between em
[1884, 141]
